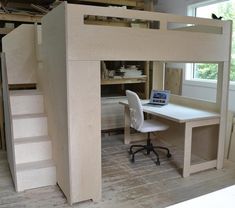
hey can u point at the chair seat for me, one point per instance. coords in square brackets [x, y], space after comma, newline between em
[153, 125]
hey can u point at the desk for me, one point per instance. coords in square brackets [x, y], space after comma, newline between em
[191, 117]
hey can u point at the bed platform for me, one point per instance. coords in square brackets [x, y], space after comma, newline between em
[70, 79]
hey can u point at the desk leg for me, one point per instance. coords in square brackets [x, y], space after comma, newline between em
[127, 132]
[187, 149]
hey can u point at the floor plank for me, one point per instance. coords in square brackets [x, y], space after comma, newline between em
[125, 184]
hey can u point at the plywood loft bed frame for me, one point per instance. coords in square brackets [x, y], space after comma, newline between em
[70, 78]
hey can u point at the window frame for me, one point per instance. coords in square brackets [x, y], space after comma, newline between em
[189, 70]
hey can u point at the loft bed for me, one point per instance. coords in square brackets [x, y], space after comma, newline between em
[70, 79]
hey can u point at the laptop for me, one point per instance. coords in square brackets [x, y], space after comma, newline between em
[159, 97]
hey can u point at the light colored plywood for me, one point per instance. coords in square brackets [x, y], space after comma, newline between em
[195, 118]
[87, 45]
[231, 155]
[26, 102]
[173, 80]
[84, 117]
[4, 31]
[93, 42]
[37, 174]
[205, 141]
[36, 125]
[20, 55]
[2, 140]
[187, 149]
[228, 133]
[158, 75]
[222, 102]
[20, 17]
[29, 150]
[112, 113]
[142, 79]
[8, 121]
[52, 78]
[194, 103]
[177, 113]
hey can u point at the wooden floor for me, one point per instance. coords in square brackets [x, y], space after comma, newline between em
[126, 185]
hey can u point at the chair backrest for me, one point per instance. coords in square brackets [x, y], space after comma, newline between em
[136, 110]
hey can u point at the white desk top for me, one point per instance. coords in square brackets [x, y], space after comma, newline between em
[222, 198]
[176, 113]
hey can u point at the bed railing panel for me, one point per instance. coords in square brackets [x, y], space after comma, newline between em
[166, 43]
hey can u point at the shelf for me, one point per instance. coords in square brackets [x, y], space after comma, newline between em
[142, 79]
[130, 3]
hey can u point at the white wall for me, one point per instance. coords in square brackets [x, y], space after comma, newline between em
[191, 88]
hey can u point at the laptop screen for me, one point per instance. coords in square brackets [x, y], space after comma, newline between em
[159, 97]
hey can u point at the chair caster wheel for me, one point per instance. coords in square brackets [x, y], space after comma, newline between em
[168, 155]
[132, 159]
[157, 162]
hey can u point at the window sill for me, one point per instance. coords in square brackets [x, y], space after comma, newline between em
[207, 84]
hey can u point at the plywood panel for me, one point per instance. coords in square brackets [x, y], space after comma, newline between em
[231, 155]
[205, 142]
[173, 80]
[191, 102]
[8, 121]
[94, 42]
[112, 113]
[158, 75]
[84, 112]
[229, 129]
[86, 46]
[2, 136]
[52, 77]
[20, 55]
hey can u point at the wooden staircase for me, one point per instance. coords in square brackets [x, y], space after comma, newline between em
[32, 145]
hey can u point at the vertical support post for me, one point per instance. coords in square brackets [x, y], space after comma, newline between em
[222, 105]
[84, 118]
[222, 94]
[187, 149]
[146, 69]
[127, 132]
[158, 75]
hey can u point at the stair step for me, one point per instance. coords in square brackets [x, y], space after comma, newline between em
[25, 92]
[32, 149]
[26, 102]
[29, 125]
[35, 175]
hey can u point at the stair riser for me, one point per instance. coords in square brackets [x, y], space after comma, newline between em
[32, 152]
[36, 178]
[30, 104]
[29, 127]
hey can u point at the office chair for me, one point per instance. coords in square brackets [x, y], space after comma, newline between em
[143, 126]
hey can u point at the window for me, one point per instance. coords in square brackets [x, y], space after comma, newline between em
[226, 10]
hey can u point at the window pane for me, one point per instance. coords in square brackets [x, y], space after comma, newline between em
[227, 11]
[205, 71]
